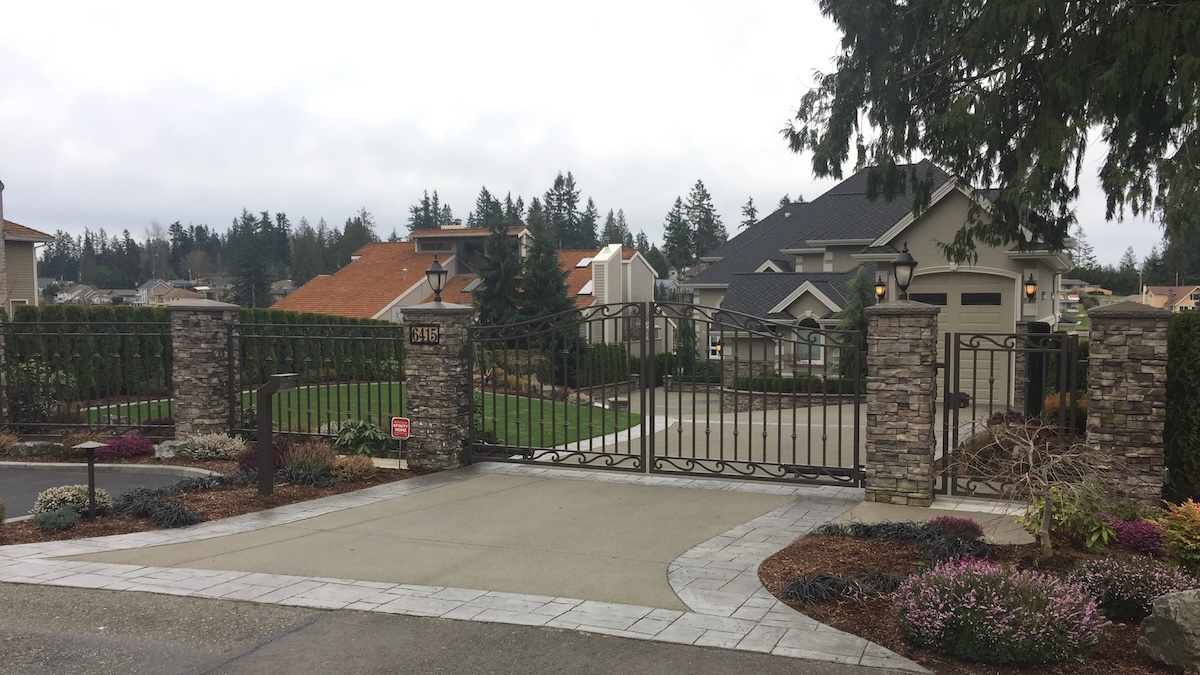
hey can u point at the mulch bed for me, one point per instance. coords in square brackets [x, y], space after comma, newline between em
[871, 618]
[211, 504]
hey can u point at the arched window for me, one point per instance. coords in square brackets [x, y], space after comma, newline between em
[810, 342]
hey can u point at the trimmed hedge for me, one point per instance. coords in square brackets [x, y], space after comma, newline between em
[798, 383]
[1182, 433]
[320, 347]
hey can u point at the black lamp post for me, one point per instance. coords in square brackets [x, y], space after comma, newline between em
[437, 278]
[903, 267]
[880, 289]
[89, 450]
[1031, 288]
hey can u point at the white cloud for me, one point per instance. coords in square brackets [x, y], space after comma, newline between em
[113, 116]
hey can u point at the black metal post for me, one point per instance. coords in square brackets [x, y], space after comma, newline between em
[266, 456]
[91, 460]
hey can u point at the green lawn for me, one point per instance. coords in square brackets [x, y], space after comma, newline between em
[539, 423]
[516, 420]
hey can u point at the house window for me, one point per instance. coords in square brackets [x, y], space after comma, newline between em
[810, 343]
[976, 299]
[14, 303]
[938, 299]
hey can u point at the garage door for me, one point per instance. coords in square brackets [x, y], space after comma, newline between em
[975, 305]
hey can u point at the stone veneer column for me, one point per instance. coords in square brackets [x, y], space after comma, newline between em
[1127, 393]
[437, 383]
[201, 368]
[901, 386]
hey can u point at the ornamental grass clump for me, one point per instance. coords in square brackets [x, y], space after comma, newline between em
[73, 496]
[978, 611]
[202, 447]
[354, 467]
[312, 457]
[1126, 589]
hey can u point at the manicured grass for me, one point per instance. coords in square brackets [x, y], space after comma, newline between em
[517, 420]
[539, 423]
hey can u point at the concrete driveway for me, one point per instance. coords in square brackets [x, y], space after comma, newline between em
[597, 540]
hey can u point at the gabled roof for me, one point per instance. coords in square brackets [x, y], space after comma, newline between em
[843, 213]
[460, 231]
[1174, 295]
[17, 232]
[758, 294]
[751, 248]
[366, 286]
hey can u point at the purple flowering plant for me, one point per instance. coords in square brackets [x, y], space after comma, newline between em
[129, 445]
[1139, 536]
[978, 611]
[1126, 589]
[963, 528]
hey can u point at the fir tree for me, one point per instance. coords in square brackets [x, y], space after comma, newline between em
[623, 229]
[677, 238]
[587, 225]
[544, 282]
[749, 214]
[1084, 255]
[611, 234]
[642, 242]
[500, 277]
[308, 256]
[707, 231]
[562, 214]
[488, 213]
[251, 285]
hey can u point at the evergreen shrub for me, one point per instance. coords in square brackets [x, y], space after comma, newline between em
[1181, 437]
[71, 496]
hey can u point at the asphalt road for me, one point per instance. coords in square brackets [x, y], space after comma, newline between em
[66, 631]
[20, 487]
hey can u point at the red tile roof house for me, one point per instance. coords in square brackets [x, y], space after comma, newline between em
[18, 262]
[385, 277]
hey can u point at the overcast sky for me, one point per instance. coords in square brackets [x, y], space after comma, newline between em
[114, 115]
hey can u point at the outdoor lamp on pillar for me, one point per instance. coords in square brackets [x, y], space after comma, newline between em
[1031, 288]
[437, 278]
[903, 267]
[718, 347]
[880, 289]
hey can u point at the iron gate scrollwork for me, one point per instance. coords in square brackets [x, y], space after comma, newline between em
[671, 388]
[992, 379]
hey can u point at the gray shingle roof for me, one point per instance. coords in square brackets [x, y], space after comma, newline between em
[844, 212]
[757, 294]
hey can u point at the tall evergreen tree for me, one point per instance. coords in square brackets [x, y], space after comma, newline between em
[359, 231]
[513, 211]
[708, 232]
[1084, 255]
[658, 261]
[610, 234]
[562, 214]
[677, 238]
[251, 283]
[425, 214]
[544, 283]
[587, 224]
[500, 277]
[623, 229]
[308, 259]
[488, 211]
[749, 213]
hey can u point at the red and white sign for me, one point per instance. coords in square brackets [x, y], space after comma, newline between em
[400, 427]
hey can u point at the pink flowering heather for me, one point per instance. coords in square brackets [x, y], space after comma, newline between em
[978, 611]
[129, 445]
[1126, 589]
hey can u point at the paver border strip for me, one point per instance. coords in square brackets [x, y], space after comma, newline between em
[717, 579]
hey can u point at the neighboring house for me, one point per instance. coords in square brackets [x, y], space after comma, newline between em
[1172, 298]
[792, 269]
[1082, 287]
[214, 288]
[79, 294]
[151, 293]
[281, 289]
[384, 278]
[179, 294]
[18, 260]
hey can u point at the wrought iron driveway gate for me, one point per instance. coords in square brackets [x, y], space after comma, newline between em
[994, 378]
[670, 388]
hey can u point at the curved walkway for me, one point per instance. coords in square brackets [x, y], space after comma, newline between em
[717, 580]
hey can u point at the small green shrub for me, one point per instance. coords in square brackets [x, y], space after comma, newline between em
[354, 467]
[363, 438]
[1076, 517]
[202, 447]
[1126, 589]
[72, 496]
[978, 611]
[1181, 534]
[313, 457]
[63, 518]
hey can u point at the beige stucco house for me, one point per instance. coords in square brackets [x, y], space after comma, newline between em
[792, 269]
[18, 260]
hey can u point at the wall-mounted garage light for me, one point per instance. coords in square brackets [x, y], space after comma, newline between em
[1031, 288]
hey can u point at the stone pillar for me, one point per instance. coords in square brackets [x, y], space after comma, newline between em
[1127, 394]
[437, 384]
[901, 388]
[202, 365]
